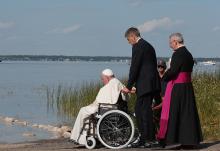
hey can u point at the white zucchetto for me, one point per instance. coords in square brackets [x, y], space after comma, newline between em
[107, 72]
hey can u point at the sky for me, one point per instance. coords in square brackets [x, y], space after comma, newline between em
[96, 27]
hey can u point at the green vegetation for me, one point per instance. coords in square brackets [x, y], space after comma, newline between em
[67, 101]
[207, 92]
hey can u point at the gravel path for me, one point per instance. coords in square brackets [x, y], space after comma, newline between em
[64, 145]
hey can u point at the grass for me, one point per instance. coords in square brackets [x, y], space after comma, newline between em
[207, 92]
[67, 101]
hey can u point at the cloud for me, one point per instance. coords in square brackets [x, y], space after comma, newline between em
[65, 30]
[136, 3]
[216, 28]
[6, 25]
[163, 23]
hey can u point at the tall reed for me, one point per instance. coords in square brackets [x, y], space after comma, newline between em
[207, 92]
[67, 101]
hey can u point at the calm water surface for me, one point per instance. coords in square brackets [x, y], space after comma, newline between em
[23, 90]
[23, 93]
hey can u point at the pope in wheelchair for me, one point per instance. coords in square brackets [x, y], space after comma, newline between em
[105, 120]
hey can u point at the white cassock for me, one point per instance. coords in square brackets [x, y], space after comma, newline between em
[109, 93]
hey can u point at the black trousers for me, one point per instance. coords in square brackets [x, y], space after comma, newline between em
[144, 117]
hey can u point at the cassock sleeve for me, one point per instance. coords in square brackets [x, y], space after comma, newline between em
[175, 66]
[136, 60]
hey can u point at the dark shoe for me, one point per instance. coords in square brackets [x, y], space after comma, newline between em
[147, 145]
[188, 147]
[137, 145]
[141, 144]
[73, 141]
[162, 143]
[70, 141]
[155, 144]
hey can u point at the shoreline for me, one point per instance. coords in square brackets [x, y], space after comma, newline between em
[58, 132]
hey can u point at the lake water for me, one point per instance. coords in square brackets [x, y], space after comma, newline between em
[23, 91]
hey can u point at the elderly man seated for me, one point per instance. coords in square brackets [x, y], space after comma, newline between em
[109, 93]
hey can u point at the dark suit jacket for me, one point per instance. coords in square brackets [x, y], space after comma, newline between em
[143, 71]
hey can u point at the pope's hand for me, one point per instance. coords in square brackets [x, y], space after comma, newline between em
[133, 90]
[125, 90]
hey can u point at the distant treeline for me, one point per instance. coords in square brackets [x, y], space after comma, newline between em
[79, 58]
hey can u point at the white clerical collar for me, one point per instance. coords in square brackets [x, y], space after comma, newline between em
[138, 39]
[180, 46]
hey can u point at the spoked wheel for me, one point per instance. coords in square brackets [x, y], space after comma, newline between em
[90, 143]
[115, 129]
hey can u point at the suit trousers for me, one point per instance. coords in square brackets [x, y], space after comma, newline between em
[144, 117]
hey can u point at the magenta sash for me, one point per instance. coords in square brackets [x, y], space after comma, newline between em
[183, 77]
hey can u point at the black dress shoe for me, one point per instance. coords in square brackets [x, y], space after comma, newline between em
[162, 143]
[155, 144]
[137, 144]
[188, 147]
[72, 141]
[141, 145]
[147, 145]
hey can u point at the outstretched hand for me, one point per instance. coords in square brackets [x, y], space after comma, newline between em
[125, 90]
[157, 107]
[133, 90]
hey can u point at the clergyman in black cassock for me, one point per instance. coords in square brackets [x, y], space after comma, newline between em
[183, 124]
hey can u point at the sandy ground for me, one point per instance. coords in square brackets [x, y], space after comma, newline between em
[64, 145]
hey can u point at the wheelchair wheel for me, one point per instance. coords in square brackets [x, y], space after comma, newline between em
[90, 143]
[115, 129]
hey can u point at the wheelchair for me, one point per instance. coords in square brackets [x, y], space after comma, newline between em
[112, 126]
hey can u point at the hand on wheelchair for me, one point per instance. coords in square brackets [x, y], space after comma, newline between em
[126, 90]
[133, 90]
[157, 107]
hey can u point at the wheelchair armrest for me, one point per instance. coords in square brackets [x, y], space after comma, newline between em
[106, 105]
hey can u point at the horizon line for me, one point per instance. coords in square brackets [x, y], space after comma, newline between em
[87, 56]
